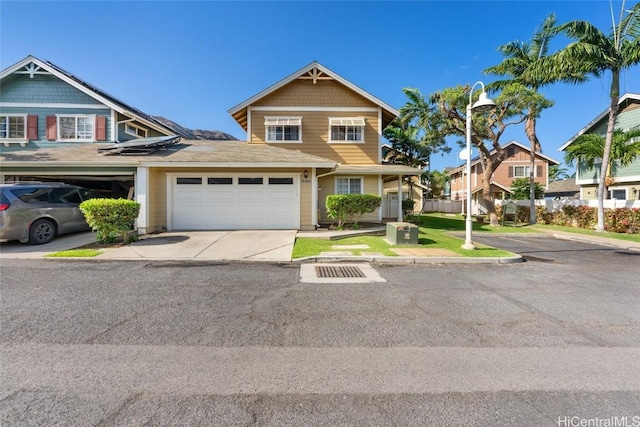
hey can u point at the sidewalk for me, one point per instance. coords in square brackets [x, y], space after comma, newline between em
[262, 246]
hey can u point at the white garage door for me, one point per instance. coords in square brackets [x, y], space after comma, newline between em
[228, 202]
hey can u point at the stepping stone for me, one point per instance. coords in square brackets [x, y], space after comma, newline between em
[349, 246]
[423, 252]
[374, 254]
[336, 254]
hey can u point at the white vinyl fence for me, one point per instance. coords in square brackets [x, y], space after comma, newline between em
[456, 206]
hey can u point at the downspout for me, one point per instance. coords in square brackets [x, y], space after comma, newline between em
[315, 195]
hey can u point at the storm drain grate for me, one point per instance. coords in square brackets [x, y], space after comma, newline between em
[338, 271]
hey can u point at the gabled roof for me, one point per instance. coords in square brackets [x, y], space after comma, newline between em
[500, 186]
[314, 70]
[47, 67]
[476, 159]
[628, 97]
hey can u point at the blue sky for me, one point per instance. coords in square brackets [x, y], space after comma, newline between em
[192, 61]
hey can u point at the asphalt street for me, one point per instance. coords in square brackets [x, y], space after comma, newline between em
[551, 341]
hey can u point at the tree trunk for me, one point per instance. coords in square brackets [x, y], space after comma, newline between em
[530, 129]
[487, 196]
[611, 123]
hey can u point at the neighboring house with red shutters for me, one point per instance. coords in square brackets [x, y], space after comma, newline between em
[309, 135]
[516, 164]
[40, 102]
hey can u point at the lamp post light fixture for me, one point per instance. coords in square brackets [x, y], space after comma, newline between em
[484, 103]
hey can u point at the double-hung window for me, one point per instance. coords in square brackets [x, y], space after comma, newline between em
[520, 171]
[346, 129]
[13, 127]
[348, 185]
[76, 128]
[283, 129]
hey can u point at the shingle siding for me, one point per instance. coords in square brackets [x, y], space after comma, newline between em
[42, 89]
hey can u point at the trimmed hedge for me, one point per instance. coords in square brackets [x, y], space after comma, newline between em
[349, 208]
[619, 220]
[111, 218]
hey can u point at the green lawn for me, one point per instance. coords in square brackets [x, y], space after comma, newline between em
[77, 253]
[434, 232]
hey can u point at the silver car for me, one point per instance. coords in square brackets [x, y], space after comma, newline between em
[36, 212]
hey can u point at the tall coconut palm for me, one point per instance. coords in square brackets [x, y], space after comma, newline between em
[519, 57]
[593, 53]
[589, 148]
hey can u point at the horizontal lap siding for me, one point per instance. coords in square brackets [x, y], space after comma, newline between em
[327, 185]
[315, 136]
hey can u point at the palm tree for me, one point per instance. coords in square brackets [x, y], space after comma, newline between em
[592, 53]
[407, 147]
[588, 148]
[519, 58]
[557, 173]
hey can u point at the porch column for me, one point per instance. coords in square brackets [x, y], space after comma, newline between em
[142, 197]
[381, 194]
[314, 198]
[399, 198]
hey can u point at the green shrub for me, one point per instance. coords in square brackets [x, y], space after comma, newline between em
[520, 189]
[407, 207]
[349, 208]
[111, 218]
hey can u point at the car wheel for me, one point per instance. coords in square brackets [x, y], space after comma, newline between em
[41, 231]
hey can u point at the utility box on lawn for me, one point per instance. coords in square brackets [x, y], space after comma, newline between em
[402, 233]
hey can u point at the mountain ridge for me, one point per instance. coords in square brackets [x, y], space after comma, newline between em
[195, 134]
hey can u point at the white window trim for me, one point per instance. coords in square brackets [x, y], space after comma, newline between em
[20, 140]
[335, 183]
[286, 122]
[341, 121]
[610, 191]
[526, 175]
[135, 133]
[92, 117]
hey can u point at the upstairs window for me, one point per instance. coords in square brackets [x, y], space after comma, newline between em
[76, 128]
[12, 127]
[518, 171]
[137, 131]
[283, 129]
[346, 129]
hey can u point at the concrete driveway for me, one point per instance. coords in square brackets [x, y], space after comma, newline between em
[263, 245]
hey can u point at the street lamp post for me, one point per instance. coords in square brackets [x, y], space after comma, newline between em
[484, 103]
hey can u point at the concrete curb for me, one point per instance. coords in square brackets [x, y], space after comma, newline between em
[600, 241]
[412, 260]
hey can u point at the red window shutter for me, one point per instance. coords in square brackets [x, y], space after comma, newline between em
[510, 171]
[101, 128]
[32, 127]
[538, 170]
[52, 130]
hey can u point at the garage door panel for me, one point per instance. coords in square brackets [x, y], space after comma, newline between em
[216, 204]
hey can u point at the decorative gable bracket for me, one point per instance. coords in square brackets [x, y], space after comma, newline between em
[32, 69]
[315, 74]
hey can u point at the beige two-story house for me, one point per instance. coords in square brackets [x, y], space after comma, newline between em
[309, 135]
